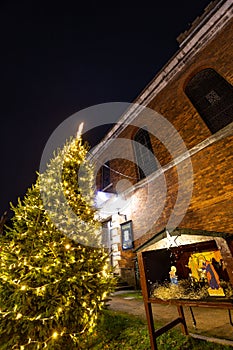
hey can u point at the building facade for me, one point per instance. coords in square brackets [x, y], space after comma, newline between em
[168, 160]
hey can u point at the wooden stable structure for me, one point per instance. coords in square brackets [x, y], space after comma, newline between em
[212, 302]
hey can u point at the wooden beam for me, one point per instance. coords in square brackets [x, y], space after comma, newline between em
[168, 326]
[147, 304]
[181, 314]
[210, 303]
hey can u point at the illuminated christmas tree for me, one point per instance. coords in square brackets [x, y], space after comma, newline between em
[54, 276]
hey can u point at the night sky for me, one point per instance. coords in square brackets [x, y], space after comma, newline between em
[58, 58]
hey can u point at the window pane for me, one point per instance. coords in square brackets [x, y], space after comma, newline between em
[105, 175]
[144, 154]
[212, 96]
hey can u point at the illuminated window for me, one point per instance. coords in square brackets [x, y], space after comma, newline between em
[146, 163]
[212, 96]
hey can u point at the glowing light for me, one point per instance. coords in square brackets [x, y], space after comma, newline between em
[55, 335]
[104, 274]
[43, 256]
[104, 295]
[80, 130]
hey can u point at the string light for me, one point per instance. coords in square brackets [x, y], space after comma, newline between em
[55, 335]
[28, 263]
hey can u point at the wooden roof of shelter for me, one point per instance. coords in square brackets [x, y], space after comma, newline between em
[178, 232]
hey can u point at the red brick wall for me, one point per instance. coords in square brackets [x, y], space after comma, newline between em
[212, 200]
[211, 207]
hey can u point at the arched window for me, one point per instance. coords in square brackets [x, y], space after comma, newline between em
[212, 96]
[145, 159]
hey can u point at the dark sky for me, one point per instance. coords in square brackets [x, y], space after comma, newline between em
[60, 57]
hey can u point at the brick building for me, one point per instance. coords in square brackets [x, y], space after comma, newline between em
[169, 158]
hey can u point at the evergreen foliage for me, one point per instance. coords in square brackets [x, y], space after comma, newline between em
[52, 281]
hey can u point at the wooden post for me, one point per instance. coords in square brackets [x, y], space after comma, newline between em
[226, 255]
[148, 308]
[181, 314]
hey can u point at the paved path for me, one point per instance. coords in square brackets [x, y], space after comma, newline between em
[210, 322]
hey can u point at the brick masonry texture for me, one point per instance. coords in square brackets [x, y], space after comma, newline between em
[211, 206]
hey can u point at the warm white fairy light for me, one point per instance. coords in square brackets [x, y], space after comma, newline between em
[55, 335]
[42, 256]
[80, 130]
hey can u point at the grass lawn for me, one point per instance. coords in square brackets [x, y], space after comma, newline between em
[121, 331]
